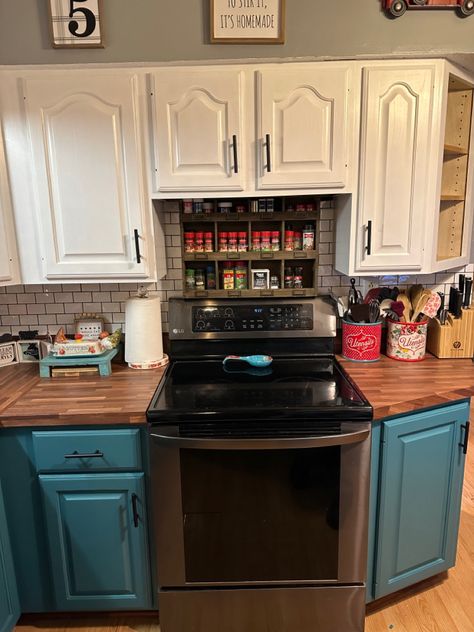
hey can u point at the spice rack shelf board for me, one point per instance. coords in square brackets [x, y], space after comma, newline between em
[308, 292]
[187, 218]
[454, 150]
[452, 198]
[294, 255]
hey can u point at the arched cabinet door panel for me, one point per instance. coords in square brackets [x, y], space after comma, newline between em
[304, 124]
[87, 152]
[198, 131]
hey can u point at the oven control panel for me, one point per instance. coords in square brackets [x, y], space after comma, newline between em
[252, 318]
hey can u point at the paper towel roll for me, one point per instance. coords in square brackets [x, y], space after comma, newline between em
[143, 333]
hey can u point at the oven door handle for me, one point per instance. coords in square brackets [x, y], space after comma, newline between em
[287, 443]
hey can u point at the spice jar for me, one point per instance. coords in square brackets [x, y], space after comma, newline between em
[310, 208]
[274, 283]
[200, 279]
[275, 240]
[228, 276]
[187, 206]
[289, 240]
[300, 208]
[308, 237]
[199, 242]
[256, 244]
[298, 278]
[208, 242]
[189, 242]
[243, 245]
[224, 207]
[288, 280]
[222, 242]
[197, 206]
[266, 243]
[211, 277]
[298, 240]
[208, 207]
[232, 243]
[190, 280]
[240, 276]
[241, 208]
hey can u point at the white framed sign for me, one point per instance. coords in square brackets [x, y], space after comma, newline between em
[76, 23]
[247, 21]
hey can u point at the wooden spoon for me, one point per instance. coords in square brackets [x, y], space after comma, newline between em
[414, 293]
[403, 298]
[421, 304]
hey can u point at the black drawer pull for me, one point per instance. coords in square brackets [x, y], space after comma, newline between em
[136, 517]
[465, 443]
[93, 455]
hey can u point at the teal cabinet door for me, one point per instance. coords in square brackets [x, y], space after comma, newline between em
[421, 477]
[9, 604]
[97, 540]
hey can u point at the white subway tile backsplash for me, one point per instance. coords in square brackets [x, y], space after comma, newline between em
[51, 306]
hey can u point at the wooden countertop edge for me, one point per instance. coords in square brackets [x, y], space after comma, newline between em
[94, 419]
[421, 403]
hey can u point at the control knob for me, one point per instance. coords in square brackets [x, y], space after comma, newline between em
[200, 325]
[229, 324]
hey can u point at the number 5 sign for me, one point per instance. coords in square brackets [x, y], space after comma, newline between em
[76, 23]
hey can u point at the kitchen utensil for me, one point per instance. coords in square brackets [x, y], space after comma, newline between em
[414, 293]
[398, 307]
[374, 311]
[462, 281]
[386, 304]
[360, 312]
[408, 308]
[432, 305]
[419, 308]
[389, 313]
[355, 295]
[257, 361]
[443, 316]
[372, 294]
[467, 293]
[441, 307]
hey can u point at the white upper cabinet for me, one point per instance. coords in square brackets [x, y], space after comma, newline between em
[397, 124]
[9, 270]
[303, 122]
[86, 142]
[198, 130]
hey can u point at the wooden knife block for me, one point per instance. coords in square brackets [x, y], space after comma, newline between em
[455, 339]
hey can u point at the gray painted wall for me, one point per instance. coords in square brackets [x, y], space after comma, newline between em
[173, 30]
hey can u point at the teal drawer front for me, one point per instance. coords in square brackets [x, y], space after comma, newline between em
[87, 450]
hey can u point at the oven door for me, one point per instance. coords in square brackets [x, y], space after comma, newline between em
[261, 507]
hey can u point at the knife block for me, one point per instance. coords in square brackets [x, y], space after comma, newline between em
[455, 339]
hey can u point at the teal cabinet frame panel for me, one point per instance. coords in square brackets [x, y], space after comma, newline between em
[98, 549]
[373, 508]
[422, 471]
[9, 603]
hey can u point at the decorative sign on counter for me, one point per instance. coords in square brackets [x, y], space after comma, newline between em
[76, 23]
[247, 21]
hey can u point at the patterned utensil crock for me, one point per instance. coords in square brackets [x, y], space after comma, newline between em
[361, 341]
[406, 341]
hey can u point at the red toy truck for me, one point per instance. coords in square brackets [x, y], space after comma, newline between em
[398, 7]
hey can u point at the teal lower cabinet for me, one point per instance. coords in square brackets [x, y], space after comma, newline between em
[97, 538]
[418, 471]
[9, 604]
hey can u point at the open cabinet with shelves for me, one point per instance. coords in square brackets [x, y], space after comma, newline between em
[239, 253]
[452, 215]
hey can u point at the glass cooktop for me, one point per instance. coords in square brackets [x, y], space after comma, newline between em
[288, 388]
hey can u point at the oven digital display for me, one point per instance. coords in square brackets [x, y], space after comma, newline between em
[242, 318]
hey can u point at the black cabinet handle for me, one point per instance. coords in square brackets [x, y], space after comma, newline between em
[136, 517]
[269, 157]
[465, 443]
[137, 245]
[236, 159]
[369, 237]
[92, 455]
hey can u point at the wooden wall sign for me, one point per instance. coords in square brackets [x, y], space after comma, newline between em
[396, 8]
[247, 21]
[76, 23]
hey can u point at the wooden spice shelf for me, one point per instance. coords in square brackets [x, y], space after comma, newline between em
[295, 255]
[454, 150]
[198, 218]
[452, 198]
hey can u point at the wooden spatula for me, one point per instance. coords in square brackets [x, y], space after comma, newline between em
[420, 306]
[403, 298]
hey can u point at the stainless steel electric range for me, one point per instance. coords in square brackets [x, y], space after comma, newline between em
[260, 474]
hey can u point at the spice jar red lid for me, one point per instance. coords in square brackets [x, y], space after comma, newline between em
[199, 235]
[289, 233]
[266, 233]
[255, 233]
[232, 234]
[222, 235]
[242, 234]
[209, 235]
[189, 235]
[228, 264]
[275, 233]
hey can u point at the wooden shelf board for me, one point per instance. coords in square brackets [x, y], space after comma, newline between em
[455, 150]
[188, 218]
[452, 198]
[250, 293]
[295, 255]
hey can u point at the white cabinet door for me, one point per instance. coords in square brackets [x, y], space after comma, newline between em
[198, 130]
[9, 269]
[303, 123]
[396, 167]
[86, 144]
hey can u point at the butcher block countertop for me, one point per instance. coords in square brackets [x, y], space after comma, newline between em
[392, 387]
[28, 400]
